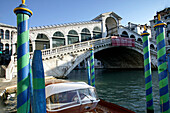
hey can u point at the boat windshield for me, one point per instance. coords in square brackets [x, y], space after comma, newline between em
[62, 100]
[87, 95]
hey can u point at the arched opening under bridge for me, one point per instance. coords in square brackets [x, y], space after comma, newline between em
[121, 57]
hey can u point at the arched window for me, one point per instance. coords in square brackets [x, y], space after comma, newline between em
[85, 35]
[125, 34]
[111, 26]
[132, 36]
[7, 34]
[42, 42]
[139, 40]
[7, 48]
[1, 33]
[58, 39]
[42, 37]
[58, 34]
[73, 37]
[97, 33]
[97, 29]
[152, 46]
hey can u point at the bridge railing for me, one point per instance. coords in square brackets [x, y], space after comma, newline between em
[75, 46]
[140, 47]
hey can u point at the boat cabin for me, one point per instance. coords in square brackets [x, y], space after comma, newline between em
[73, 97]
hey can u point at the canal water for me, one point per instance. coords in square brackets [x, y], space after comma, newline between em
[123, 87]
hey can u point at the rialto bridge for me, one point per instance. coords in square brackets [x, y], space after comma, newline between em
[66, 45]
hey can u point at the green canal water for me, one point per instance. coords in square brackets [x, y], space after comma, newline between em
[123, 87]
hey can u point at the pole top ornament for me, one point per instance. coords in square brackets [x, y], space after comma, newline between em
[23, 1]
[159, 17]
[145, 33]
[144, 28]
[22, 9]
[159, 23]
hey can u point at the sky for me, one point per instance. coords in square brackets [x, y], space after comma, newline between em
[50, 12]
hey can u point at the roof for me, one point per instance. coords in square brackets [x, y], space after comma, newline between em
[5, 25]
[63, 87]
[108, 13]
[63, 25]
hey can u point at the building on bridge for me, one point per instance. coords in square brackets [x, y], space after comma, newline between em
[139, 28]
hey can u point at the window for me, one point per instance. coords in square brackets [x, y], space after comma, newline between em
[85, 35]
[62, 100]
[73, 37]
[1, 47]
[132, 36]
[97, 33]
[58, 34]
[42, 36]
[73, 32]
[97, 29]
[12, 33]
[125, 34]
[7, 34]
[1, 33]
[58, 42]
[87, 94]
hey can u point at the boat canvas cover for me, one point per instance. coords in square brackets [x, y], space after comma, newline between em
[63, 87]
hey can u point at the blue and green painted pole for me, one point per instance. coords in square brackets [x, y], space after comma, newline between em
[148, 75]
[92, 66]
[23, 66]
[168, 64]
[88, 72]
[31, 86]
[162, 66]
[39, 98]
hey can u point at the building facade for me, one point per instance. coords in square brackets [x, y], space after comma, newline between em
[165, 17]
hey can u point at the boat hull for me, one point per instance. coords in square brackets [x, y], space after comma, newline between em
[107, 107]
[77, 109]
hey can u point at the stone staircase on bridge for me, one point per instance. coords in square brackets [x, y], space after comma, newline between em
[60, 61]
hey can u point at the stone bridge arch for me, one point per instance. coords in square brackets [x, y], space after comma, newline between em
[60, 61]
[131, 57]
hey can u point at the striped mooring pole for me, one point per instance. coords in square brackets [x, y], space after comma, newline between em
[148, 75]
[31, 86]
[168, 64]
[23, 65]
[92, 66]
[162, 66]
[88, 72]
[39, 98]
